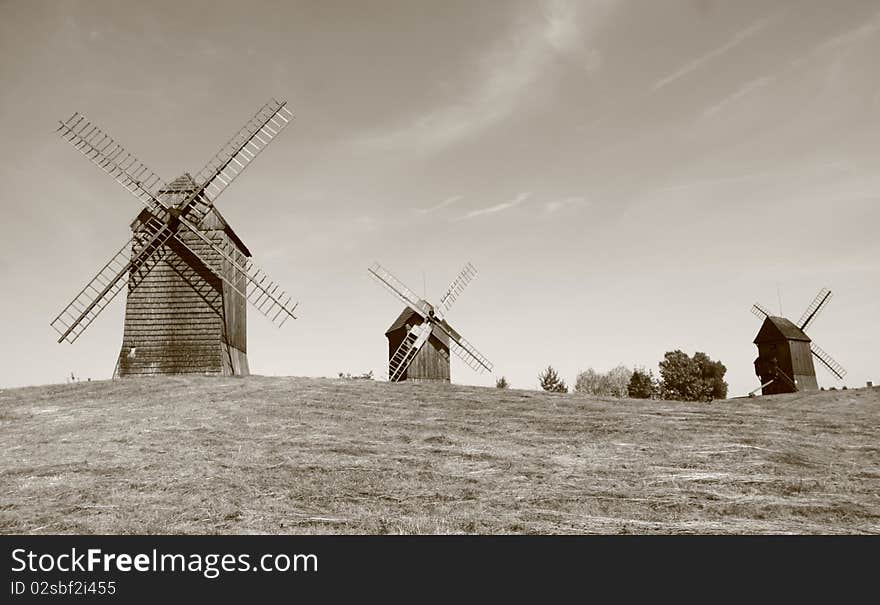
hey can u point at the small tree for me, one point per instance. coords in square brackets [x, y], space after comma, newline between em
[611, 384]
[692, 379]
[550, 381]
[501, 383]
[642, 384]
[679, 377]
[618, 380]
[591, 382]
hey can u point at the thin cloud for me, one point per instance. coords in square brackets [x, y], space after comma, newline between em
[743, 91]
[738, 38]
[519, 199]
[557, 205]
[509, 70]
[447, 202]
[870, 28]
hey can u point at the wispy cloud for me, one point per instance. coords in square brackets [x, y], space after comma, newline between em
[743, 91]
[737, 39]
[519, 199]
[868, 28]
[508, 70]
[447, 202]
[557, 205]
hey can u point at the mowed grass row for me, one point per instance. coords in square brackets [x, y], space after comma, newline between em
[300, 455]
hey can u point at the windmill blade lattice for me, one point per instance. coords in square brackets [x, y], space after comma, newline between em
[466, 351]
[112, 158]
[91, 300]
[760, 312]
[812, 311]
[243, 147]
[265, 294]
[413, 341]
[103, 288]
[828, 361]
[397, 287]
[146, 187]
[456, 288]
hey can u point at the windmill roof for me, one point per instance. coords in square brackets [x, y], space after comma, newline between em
[408, 313]
[183, 183]
[186, 184]
[404, 316]
[776, 328]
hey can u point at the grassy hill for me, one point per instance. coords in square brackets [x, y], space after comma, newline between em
[274, 455]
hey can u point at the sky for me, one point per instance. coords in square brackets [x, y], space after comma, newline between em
[628, 177]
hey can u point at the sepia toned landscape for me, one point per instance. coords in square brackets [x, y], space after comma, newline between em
[303, 455]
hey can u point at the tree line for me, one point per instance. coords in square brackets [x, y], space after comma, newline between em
[682, 377]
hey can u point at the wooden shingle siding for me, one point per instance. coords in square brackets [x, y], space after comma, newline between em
[181, 318]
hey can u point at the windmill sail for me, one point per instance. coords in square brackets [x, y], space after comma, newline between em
[146, 187]
[264, 294]
[112, 158]
[465, 350]
[817, 305]
[241, 149]
[760, 312]
[103, 288]
[828, 361]
[456, 288]
[410, 298]
[217, 174]
[91, 300]
[461, 347]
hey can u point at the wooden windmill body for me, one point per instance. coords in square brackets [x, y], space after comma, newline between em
[187, 274]
[420, 339]
[181, 317]
[785, 352]
[431, 362]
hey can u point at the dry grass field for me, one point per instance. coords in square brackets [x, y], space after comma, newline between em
[298, 455]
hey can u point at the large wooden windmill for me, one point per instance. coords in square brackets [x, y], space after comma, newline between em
[189, 276]
[420, 338]
[785, 352]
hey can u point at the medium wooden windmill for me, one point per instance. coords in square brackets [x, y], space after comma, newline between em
[420, 338]
[785, 352]
[188, 274]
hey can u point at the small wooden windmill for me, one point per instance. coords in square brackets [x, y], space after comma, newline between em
[785, 352]
[420, 338]
[188, 274]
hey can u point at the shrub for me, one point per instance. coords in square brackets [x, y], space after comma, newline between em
[550, 381]
[501, 383]
[349, 376]
[696, 378]
[611, 384]
[590, 381]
